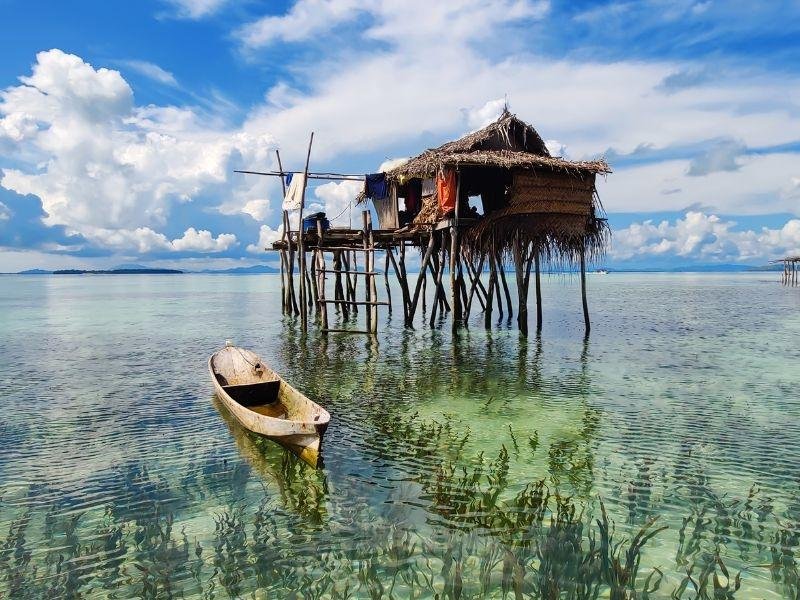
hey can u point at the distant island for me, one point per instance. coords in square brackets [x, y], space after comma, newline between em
[144, 271]
[133, 269]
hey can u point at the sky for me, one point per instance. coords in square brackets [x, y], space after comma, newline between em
[121, 124]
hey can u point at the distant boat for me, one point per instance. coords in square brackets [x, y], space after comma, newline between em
[601, 272]
[265, 404]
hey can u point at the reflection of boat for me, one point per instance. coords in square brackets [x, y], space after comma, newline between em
[265, 404]
[302, 490]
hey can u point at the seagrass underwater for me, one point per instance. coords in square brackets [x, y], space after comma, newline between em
[657, 458]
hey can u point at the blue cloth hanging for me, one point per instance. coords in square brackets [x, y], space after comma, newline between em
[289, 178]
[376, 187]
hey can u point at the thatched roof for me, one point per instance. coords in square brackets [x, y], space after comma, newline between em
[508, 143]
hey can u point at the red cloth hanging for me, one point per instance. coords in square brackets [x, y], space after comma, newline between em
[446, 185]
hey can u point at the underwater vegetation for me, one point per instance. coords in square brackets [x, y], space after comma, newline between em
[481, 536]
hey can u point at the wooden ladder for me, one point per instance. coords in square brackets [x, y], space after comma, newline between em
[347, 299]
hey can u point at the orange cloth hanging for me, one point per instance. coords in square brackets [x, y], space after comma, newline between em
[446, 191]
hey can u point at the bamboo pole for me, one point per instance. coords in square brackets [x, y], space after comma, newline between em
[303, 293]
[583, 292]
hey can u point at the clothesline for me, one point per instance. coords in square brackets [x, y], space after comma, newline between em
[311, 175]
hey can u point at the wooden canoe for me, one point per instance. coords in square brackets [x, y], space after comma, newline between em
[265, 404]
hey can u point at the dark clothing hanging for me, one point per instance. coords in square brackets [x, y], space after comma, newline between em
[289, 178]
[413, 196]
[375, 186]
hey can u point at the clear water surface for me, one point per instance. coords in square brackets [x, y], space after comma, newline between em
[473, 466]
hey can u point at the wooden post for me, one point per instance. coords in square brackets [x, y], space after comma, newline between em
[423, 266]
[367, 269]
[487, 317]
[313, 278]
[455, 293]
[372, 308]
[291, 299]
[401, 279]
[322, 305]
[583, 292]
[341, 306]
[439, 290]
[505, 287]
[498, 266]
[406, 291]
[386, 278]
[284, 234]
[538, 284]
[303, 292]
[520, 258]
[425, 291]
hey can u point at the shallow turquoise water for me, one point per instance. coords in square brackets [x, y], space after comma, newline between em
[120, 477]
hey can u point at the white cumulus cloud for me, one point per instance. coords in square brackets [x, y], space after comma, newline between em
[203, 241]
[701, 237]
[99, 163]
[266, 236]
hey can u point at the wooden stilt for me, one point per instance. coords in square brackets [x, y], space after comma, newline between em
[386, 279]
[583, 292]
[291, 299]
[538, 284]
[303, 292]
[505, 285]
[313, 276]
[286, 302]
[439, 289]
[322, 306]
[476, 288]
[423, 266]
[404, 284]
[401, 280]
[487, 314]
[283, 281]
[520, 259]
[439, 293]
[367, 295]
[455, 292]
[497, 267]
[342, 307]
[424, 291]
[373, 291]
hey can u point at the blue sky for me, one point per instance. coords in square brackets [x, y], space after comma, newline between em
[121, 123]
